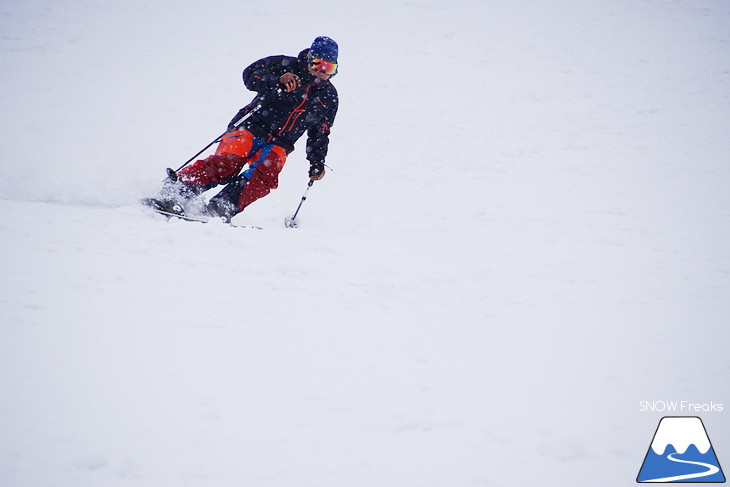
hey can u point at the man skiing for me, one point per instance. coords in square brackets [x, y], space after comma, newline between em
[294, 96]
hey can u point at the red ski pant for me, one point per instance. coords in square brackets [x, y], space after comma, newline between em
[236, 149]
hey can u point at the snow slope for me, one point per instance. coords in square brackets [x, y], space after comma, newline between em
[524, 233]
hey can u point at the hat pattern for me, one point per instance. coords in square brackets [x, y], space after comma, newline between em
[325, 48]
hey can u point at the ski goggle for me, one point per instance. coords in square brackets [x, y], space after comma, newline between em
[323, 66]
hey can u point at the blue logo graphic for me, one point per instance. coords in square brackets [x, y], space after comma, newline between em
[681, 452]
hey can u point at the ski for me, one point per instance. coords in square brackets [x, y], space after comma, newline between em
[198, 219]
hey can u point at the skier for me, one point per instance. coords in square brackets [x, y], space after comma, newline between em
[294, 96]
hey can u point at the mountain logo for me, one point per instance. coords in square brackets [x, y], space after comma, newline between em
[681, 452]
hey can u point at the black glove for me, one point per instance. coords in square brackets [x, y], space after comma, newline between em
[316, 171]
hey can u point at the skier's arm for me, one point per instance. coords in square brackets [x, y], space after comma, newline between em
[318, 139]
[232, 125]
[263, 75]
[318, 143]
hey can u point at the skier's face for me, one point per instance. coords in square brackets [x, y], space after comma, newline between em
[321, 68]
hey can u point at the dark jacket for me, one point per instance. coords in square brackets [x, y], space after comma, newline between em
[284, 117]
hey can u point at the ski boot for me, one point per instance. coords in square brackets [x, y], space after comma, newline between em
[165, 206]
[174, 196]
[224, 205]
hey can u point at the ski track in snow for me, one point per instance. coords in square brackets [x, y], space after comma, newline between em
[524, 233]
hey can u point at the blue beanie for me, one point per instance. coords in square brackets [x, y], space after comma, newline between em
[324, 48]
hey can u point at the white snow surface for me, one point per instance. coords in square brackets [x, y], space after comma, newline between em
[524, 233]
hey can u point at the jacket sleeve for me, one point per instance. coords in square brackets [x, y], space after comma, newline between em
[263, 75]
[318, 136]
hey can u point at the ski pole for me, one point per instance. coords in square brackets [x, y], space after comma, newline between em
[242, 115]
[291, 221]
[214, 141]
